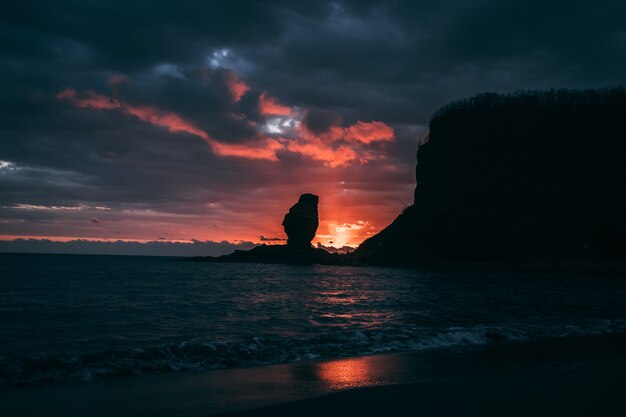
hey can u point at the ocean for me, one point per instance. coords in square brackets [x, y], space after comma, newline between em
[82, 318]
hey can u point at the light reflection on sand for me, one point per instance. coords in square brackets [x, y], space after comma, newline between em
[347, 373]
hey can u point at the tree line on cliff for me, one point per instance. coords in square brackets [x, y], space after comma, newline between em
[528, 175]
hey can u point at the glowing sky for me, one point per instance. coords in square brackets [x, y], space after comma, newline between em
[207, 120]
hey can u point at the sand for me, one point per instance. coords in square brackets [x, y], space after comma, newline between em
[590, 391]
[573, 377]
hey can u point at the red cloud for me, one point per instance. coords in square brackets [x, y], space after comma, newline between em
[364, 132]
[90, 99]
[269, 106]
[237, 87]
[331, 147]
[267, 150]
[171, 121]
[338, 146]
[316, 149]
[368, 132]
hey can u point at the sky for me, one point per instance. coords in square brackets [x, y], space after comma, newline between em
[203, 121]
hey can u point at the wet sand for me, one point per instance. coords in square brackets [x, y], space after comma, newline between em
[573, 376]
[589, 391]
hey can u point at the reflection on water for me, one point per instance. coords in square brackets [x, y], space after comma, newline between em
[344, 301]
[336, 297]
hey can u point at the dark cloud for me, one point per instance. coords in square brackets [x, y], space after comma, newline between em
[319, 121]
[118, 247]
[332, 249]
[271, 239]
[173, 69]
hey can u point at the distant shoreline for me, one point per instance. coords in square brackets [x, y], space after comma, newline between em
[583, 266]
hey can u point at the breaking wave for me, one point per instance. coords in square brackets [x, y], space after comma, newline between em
[34, 370]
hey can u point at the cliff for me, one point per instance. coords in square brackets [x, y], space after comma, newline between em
[527, 176]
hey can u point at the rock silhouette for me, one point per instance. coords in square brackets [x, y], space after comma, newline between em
[301, 221]
[526, 176]
[300, 225]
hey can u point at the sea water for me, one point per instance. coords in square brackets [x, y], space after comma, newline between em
[79, 317]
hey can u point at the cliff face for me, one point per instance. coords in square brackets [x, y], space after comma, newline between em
[523, 176]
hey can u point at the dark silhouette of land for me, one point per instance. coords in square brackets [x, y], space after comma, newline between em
[526, 176]
[529, 176]
[301, 222]
[300, 225]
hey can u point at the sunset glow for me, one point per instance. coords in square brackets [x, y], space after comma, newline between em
[334, 161]
[207, 151]
[325, 208]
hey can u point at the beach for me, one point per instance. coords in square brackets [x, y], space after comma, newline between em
[574, 376]
[593, 390]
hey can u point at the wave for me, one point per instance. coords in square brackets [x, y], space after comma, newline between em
[35, 370]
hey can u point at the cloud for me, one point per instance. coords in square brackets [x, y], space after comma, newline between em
[360, 224]
[162, 122]
[54, 208]
[333, 249]
[271, 239]
[90, 99]
[120, 247]
[368, 132]
[295, 136]
[266, 149]
[319, 121]
[149, 114]
[237, 87]
[364, 132]
[172, 122]
[269, 106]
[316, 149]
[338, 146]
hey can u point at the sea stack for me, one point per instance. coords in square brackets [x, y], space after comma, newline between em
[301, 221]
[300, 225]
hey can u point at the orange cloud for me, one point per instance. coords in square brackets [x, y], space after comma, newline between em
[364, 132]
[237, 87]
[368, 132]
[269, 106]
[171, 121]
[316, 149]
[267, 149]
[339, 146]
[156, 117]
[324, 147]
